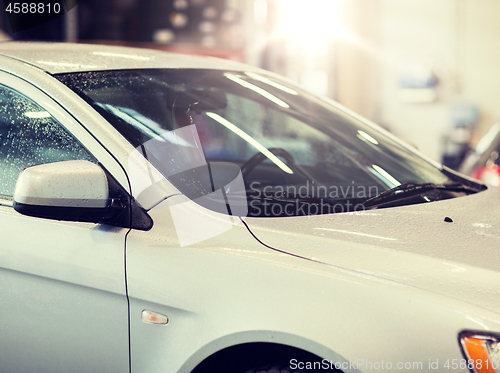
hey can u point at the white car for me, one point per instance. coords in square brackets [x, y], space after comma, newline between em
[170, 213]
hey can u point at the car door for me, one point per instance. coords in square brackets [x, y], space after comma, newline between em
[63, 305]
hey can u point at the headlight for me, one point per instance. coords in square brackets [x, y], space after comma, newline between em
[482, 352]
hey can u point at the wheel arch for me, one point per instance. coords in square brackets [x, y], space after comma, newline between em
[245, 351]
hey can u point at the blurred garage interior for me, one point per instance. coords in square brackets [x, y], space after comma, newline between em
[425, 70]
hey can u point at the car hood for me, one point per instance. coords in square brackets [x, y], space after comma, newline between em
[411, 245]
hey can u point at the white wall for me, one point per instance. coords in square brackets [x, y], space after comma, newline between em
[422, 33]
[458, 39]
[480, 62]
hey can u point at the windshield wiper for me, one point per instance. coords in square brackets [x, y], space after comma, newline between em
[307, 198]
[410, 189]
[293, 204]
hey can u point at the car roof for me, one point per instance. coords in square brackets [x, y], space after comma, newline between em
[70, 57]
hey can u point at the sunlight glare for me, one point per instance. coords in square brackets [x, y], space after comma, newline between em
[312, 20]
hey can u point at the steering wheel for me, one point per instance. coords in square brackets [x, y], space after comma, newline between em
[258, 158]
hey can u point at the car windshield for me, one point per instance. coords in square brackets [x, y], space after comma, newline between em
[295, 150]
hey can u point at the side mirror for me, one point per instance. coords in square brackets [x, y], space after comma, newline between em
[69, 190]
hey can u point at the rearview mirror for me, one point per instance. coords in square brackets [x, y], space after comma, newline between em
[70, 190]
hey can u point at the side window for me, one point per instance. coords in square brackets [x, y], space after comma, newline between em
[29, 136]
